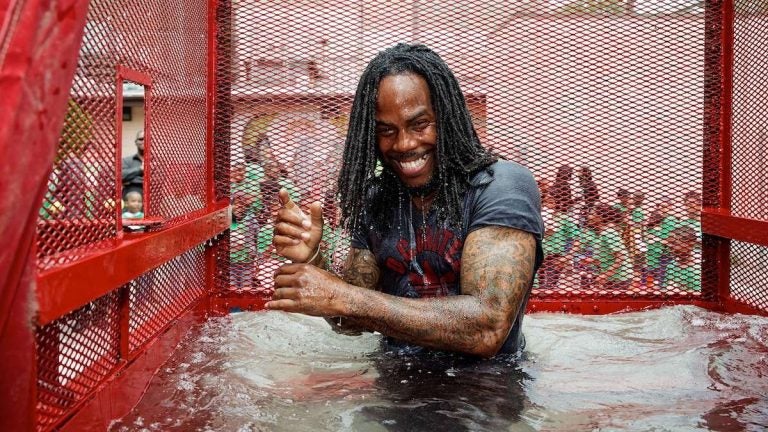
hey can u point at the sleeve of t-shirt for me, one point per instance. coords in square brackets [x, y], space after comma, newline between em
[359, 237]
[511, 199]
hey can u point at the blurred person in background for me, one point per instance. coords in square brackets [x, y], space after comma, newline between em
[614, 265]
[561, 236]
[660, 224]
[590, 194]
[683, 272]
[133, 168]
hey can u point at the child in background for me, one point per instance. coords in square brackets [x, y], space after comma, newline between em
[242, 251]
[133, 206]
[637, 234]
[561, 234]
[660, 224]
[683, 272]
[615, 269]
[585, 261]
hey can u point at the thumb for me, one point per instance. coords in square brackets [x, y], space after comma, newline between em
[285, 199]
[316, 214]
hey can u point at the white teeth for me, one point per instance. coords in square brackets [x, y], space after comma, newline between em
[412, 166]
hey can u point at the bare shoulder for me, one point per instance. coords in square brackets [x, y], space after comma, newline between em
[361, 269]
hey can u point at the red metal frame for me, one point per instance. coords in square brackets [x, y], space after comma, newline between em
[35, 50]
[723, 224]
[67, 288]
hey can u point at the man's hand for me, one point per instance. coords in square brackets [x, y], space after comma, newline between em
[307, 289]
[297, 236]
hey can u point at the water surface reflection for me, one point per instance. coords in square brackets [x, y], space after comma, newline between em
[678, 368]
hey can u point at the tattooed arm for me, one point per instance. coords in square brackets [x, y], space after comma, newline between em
[496, 271]
[362, 271]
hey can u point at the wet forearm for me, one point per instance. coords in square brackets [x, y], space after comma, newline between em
[457, 323]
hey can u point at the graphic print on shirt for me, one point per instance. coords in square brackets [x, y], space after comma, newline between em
[438, 254]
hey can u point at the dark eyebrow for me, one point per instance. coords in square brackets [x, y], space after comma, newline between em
[416, 115]
[413, 117]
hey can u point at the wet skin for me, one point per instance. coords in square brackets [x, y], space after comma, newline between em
[405, 128]
[497, 262]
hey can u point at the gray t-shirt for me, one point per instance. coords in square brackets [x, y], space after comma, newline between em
[504, 194]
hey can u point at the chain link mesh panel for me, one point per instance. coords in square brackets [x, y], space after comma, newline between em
[750, 110]
[160, 295]
[74, 354]
[603, 101]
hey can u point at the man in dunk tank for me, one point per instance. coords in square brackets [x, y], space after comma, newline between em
[446, 238]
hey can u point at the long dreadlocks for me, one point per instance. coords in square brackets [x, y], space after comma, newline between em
[459, 153]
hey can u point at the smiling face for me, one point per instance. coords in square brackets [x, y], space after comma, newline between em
[133, 202]
[406, 132]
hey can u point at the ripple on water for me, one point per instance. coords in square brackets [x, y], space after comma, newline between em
[677, 368]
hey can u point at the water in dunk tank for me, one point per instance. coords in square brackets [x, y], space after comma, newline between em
[673, 369]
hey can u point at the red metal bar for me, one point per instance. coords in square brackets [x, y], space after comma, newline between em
[723, 224]
[223, 305]
[128, 382]
[726, 105]
[726, 144]
[119, 153]
[601, 307]
[147, 150]
[64, 289]
[735, 306]
[716, 171]
[210, 187]
[250, 302]
[134, 75]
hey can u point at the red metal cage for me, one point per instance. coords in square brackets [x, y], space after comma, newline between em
[662, 99]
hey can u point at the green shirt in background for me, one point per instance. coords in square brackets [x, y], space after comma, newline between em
[609, 244]
[264, 239]
[254, 174]
[589, 240]
[637, 215]
[693, 223]
[654, 238]
[240, 248]
[566, 231]
[683, 277]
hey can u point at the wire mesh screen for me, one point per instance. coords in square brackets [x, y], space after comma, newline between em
[74, 354]
[167, 42]
[750, 111]
[602, 101]
[160, 295]
[748, 276]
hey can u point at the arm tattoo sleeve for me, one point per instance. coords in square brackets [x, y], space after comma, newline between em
[496, 271]
[361, 269]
